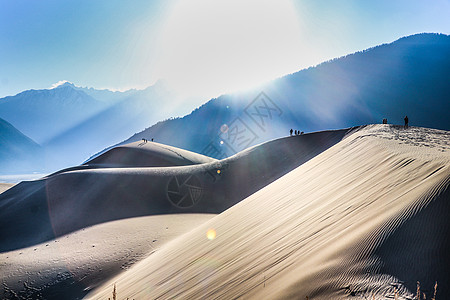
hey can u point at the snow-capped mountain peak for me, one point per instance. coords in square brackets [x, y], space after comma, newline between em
[62, 83]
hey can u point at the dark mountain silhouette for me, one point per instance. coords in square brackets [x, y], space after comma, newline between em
[17, 151]
[410, 76]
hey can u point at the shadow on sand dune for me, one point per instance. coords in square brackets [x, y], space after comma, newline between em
[418, 249]
[36, 211]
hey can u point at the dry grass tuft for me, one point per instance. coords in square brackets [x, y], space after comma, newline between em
[396, 295]
[435, 290]
[418, 291]
[114, 294]
[419, 294]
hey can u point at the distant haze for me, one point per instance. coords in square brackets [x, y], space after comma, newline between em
[71, 124]
[202, 49]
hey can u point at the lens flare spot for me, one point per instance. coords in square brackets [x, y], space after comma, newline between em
[224, 128]
[221, 142]
[218, 171]
[211, 234]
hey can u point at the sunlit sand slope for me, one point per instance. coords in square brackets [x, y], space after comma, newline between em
[5, 186]
[362, 219]
[36, 211]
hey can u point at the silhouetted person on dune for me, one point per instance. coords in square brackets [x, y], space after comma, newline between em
[296, 132]
[406, 121]
[290, 131]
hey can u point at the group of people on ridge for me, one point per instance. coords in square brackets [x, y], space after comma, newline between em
[404, 119]
[297, 132]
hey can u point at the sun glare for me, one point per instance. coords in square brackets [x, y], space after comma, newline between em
[211, 234]
[211, 47]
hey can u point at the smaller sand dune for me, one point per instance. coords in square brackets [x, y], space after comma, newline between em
[147, 154]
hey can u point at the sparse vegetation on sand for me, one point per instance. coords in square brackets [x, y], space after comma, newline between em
[419, 294]
[114, 294]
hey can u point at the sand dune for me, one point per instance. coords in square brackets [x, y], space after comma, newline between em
[360, 220]
[353, 213]
[147, 154]
[5, 186]
[72, 199]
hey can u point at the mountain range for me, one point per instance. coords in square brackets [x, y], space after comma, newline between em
[71, 123]
[410, 76]
[18, 152]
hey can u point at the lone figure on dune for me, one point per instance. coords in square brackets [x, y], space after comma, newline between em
[406, 121]
[291, 131]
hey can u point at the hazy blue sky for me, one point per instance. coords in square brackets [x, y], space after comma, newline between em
[201, 47]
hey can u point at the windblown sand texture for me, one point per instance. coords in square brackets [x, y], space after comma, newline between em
[355, 213]
[5, 186]
[365, 217]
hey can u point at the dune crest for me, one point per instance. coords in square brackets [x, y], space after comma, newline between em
[147, 154]
[324, 230]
